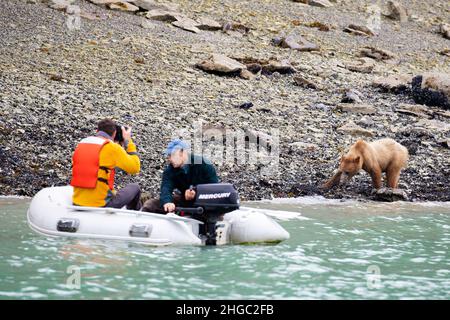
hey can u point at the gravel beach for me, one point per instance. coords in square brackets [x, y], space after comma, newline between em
[56, 82]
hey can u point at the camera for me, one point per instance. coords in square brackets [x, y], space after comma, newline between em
[119, 135]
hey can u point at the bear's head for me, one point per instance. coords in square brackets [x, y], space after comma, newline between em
[349, 166]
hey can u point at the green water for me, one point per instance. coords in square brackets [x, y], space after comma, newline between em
[330, 255]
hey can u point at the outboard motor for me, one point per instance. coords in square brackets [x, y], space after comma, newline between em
[212, 201]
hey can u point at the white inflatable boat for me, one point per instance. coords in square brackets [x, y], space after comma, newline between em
[222, 221]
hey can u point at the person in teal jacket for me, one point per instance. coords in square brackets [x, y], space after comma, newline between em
[184, 171]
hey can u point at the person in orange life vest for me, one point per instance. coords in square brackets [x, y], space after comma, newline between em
[93, 168]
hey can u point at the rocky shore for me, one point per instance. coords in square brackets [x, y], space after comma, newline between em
[323, 73]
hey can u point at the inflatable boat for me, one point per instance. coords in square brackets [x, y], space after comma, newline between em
[215, 219]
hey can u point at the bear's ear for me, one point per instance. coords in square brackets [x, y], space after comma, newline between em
[356, 160]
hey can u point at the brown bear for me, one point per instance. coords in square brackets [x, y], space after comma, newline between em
[384, 155]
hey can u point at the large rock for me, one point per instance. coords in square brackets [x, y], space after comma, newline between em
[390, 195]
[298, 43]
[397, 11]
[353, 129]
[377, 54]
[218, 63]
[395, 83]
[432, 89]
[363, 65]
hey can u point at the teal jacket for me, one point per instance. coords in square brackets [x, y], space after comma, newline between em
[198, 171]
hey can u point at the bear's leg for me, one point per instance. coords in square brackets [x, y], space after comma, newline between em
[333, 181]
[376, 178]
[393, 175]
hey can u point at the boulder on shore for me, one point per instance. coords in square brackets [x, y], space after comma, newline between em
[432, 89]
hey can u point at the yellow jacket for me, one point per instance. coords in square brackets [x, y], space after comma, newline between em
[112, 155]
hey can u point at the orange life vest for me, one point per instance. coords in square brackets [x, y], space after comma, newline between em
[85, 164]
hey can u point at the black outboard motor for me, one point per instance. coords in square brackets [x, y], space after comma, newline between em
[212, 201]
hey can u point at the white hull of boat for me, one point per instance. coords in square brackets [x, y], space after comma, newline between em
[52, 205]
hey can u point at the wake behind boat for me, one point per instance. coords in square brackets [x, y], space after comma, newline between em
[216, 219]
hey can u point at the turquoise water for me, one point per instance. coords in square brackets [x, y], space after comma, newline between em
[338, 250]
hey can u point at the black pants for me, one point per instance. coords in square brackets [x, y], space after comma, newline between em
[129, 196]
[154, 205]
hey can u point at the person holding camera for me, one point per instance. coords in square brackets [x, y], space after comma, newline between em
[93, 168]
[183, 172]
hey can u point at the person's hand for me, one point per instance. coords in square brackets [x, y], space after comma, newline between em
[189, 194]
[169, 207]
[126, 133]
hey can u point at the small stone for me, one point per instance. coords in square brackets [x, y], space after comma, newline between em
[235, 26]
[352, 96]
[103, 1]
[363, 65]
[359, 30]
[246, 74]
[445, 30]
[353, 129]
[163, 15]
[187, 24]
[377, 54]
[320, 3]
[123, 6]
[56, 77]
[445, 143]
[151, 5]
[221, 64]
[246, 105]
[305, 83]
[300, 43]
[413, 109]
[208, 24]
[275, 66]
[316, 24]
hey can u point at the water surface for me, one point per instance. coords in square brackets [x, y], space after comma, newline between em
[337, 250]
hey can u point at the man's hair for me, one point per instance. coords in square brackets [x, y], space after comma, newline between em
[107, 125]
